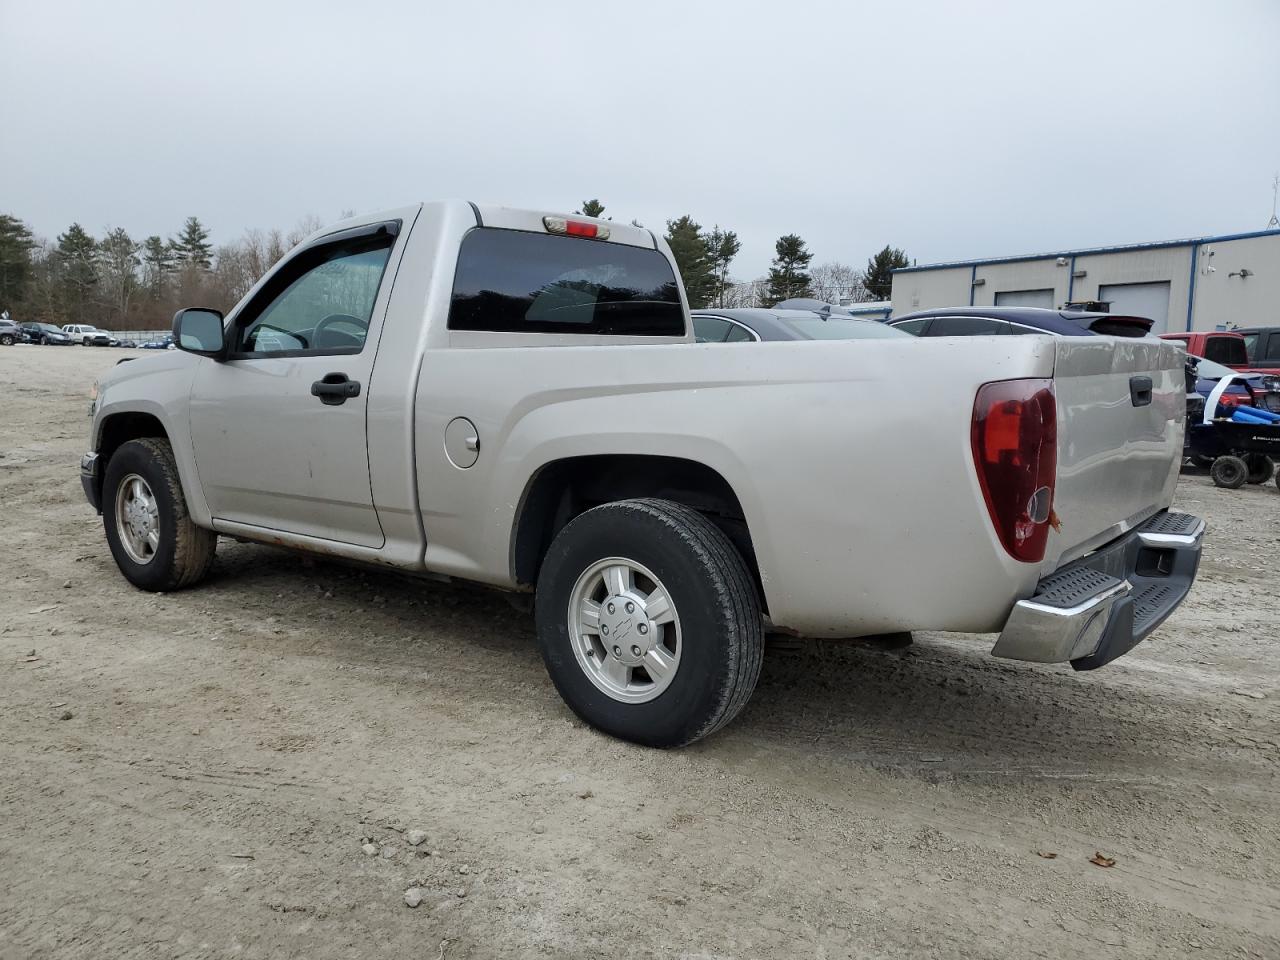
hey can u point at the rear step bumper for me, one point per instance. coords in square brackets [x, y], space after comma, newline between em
[1102, 606]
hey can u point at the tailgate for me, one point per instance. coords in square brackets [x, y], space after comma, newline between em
[1118, 452]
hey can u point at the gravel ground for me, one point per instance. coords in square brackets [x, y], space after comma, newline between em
[236, 770]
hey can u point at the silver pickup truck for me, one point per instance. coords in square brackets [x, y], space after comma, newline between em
[515, 398]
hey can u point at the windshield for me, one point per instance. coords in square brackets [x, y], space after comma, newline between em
[840, 328]
[1208, 370]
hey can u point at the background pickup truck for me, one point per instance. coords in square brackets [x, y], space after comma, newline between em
[1227, 347]
[517, 399]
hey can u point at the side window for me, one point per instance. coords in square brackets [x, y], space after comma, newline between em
[710, 329]
[914, 327]
[739, 334]
[966, 327]
[1272, 351]
[1251, 346]
[320, 302]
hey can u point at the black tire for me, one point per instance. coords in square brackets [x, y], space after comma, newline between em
[714, 595]
[1261, 467]
[6, 340]
[185, 551]
[1229, 472]
[44, 341]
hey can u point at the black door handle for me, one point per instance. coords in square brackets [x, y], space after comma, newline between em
[335, 388]
[1140, 391]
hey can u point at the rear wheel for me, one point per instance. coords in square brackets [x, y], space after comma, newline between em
[144, 512]
[1230, 472]
[6, 340]
[649, 622]
[1261, 467]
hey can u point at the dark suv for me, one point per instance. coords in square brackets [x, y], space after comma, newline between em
[1262, 345]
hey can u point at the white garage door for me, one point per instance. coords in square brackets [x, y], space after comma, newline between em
[1139, 300]
[1024, 298]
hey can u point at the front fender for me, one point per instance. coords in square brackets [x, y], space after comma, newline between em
[158, 387]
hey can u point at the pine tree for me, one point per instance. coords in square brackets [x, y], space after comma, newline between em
[722, 247]
[192, 247]
[157, 260]
[15, 261]
[689, 247]
[788, 275]
[77, 256]
[878, 278]
[591, 208]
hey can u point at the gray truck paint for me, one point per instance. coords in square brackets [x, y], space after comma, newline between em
[857, 485]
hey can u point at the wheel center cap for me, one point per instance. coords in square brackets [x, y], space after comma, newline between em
[621, 618]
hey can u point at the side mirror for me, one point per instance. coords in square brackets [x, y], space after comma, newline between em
[199, 330]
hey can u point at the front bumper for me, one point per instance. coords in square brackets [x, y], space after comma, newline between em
[1102, 606]
[91, 480]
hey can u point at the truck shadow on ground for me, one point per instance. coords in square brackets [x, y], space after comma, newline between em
[937, 709]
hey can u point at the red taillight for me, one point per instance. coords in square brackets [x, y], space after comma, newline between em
[576, 228]
[1015, 448]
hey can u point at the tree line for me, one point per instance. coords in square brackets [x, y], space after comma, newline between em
[119, 282]
[122, 283]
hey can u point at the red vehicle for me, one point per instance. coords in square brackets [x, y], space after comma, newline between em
[1221, 346]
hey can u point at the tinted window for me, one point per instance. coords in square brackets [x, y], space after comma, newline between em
[1228, 350]
[966, 327]
[1251, 345]
[1273, 347]
[838, 329]
[514, 281]
[711, 329]
[913, 327]
[738, 334]
[320, 302]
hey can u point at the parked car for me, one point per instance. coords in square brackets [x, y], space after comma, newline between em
[160, 343]
[46, 333]
[525, 408]
[1227, 347]
[10, 333]
[998, 321]
[1259, 385]
[739, 325]
[1262, 345]
[87, 335]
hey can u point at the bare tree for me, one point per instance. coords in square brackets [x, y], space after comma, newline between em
[837, 282]
[118, 278]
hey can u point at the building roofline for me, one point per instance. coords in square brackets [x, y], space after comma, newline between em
[1090, 251]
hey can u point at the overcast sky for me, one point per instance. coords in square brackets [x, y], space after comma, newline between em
[953, 129]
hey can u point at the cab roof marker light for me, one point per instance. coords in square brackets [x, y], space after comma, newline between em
[576, 228]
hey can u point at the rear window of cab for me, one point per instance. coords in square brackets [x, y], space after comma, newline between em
[514, 281]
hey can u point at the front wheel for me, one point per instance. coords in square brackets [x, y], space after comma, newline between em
[6, 340]
[649, 622]
[144, 512]
[1230, 472]
[1261, 467]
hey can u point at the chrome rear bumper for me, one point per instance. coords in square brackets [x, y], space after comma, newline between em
[1102, 606]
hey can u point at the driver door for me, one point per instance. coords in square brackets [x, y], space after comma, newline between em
[279, 426]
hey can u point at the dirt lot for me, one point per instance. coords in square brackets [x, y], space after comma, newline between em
[196, 774]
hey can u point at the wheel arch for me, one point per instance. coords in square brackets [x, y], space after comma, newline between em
[116, 427]
[564, 488]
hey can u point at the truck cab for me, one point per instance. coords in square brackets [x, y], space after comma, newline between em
[1229, 348]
